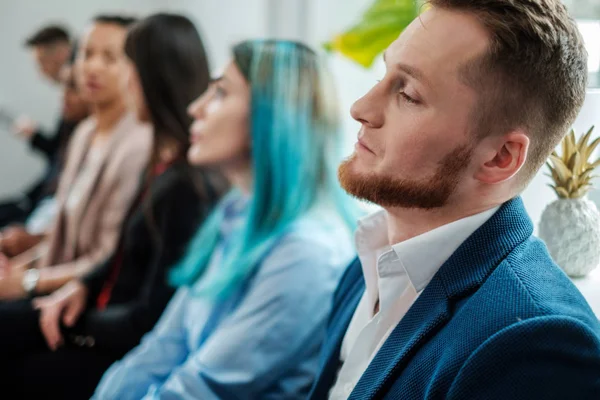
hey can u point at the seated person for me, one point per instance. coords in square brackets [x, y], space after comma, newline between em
[101, 176]
[16, 239]
[258, 278]
[91, 322]
[53, 53]
[451, 296]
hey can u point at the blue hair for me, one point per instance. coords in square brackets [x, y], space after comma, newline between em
[295, 134]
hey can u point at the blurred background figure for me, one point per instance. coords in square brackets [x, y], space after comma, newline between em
[54, 56]
[51, 48]
[53, 52]
[18, 238]
[257, 281]
[100, 179]
[91, 322]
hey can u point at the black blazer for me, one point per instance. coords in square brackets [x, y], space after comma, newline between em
[17, 210]
[53, 148]
[149, 247]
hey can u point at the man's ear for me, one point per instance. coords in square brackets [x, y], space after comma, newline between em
[504, 158]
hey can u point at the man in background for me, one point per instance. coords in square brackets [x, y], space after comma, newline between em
[54, 53]
[16, 238]
[51, 49]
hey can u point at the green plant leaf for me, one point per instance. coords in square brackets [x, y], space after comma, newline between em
[379, 26]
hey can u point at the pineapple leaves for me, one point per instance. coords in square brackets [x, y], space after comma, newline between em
[572, 170]
[560, 169]
[560, 192]
[580, 192]
[574, 163]
[586, 176]
[582, 143]
[569, 146]
[587, 152]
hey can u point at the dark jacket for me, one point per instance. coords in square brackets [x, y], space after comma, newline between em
[52, 147]
[498, 321]
[154, 238]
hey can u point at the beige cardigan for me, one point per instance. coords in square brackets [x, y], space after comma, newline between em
[88, 234]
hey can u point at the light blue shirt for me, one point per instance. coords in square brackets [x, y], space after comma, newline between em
[261, 343]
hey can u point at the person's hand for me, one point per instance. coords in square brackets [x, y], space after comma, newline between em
[24, 127]
[11, 280]
[67, 303]
[16, 240]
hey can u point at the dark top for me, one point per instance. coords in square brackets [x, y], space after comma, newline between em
[17, 210]
[53, 148]
[147, 250]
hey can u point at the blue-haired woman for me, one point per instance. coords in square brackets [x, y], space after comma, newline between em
[256, 284]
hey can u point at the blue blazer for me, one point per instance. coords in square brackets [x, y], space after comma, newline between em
[498, 321]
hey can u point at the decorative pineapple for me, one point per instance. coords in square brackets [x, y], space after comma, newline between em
[570, 226]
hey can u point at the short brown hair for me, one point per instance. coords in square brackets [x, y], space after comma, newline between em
[533, 76]
[47, 36]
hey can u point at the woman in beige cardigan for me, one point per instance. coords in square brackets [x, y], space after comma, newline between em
[106, 157]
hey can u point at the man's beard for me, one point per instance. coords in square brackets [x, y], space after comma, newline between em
[389, 191]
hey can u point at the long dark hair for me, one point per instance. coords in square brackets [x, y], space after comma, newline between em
[172, 65]
[170, 59]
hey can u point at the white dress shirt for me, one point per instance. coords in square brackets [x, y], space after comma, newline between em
[395, 276]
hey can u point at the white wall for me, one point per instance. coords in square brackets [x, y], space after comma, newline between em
[23, 91]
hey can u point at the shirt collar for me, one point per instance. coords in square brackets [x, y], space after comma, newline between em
[421, 256]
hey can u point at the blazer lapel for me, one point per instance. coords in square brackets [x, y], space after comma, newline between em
[460, 275]
[351, 290]
[75, 156]
[429, 312]
[88, 190]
